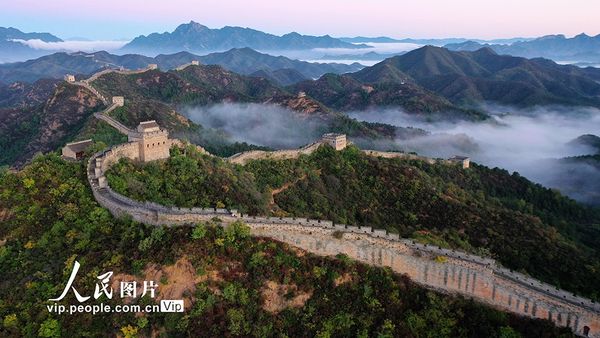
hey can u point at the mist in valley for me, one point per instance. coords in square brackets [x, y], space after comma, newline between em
[260, 124]
[533, 142]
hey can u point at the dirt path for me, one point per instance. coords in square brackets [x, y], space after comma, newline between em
[284, 187]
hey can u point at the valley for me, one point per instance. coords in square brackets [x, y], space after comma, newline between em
[425, 169]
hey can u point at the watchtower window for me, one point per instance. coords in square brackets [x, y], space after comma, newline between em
[586, 331]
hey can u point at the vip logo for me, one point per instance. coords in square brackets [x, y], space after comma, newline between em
[171, 305]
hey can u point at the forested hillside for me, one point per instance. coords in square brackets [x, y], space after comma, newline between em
[235, 285]
[487, 211]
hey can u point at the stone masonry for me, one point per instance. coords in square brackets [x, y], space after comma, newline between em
[479, 278]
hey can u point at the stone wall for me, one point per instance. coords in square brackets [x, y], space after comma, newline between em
[119, 71]
[457, 272]
[184, 66]
[243, 158]
[116, 124]
[119, 101]
[85, 85]
[433, 267]
[478, 278]
[391, 154]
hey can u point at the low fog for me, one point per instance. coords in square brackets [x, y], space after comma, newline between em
[260, 124]
[73, 45]
[531, 142]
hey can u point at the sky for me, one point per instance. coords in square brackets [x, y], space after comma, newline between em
[485, 19]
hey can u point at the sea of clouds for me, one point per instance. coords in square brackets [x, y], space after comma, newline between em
[531, 142]
[73, 45]
[260, 124]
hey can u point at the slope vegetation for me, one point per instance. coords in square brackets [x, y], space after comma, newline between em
[232, 284]
[487, 211]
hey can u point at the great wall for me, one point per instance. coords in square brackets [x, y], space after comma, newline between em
[444, 270]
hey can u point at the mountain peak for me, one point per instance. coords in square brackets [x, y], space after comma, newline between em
[196, 37]
[242, 51]
[427, 49]
[551, 37]
[191, 27]
[487, 50]
[421, 50]
[582, 36]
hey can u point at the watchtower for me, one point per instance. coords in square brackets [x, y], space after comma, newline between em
[464, 161]
[119, 101]
[154, 142]
[76, 150]
[337, 141]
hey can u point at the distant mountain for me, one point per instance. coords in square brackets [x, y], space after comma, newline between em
[385, 39]
[244, 61]
[556, 47]
[363, 39]
[370, 56]
[434, 42]
[194, 37]
[443, 42]
[451, 84]
[467, 78]
[58, 64]
[284, 77]
[468, 46]
[13, 33]
[346, 93]
[11, 50]
[588, 140]
[248, 61]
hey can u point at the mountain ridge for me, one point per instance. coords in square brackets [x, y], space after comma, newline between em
[11, 50]
[466, 79]
[241, 60]
[558, 47]
[194, 37]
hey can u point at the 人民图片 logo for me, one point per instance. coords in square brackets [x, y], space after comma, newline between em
[127, 289]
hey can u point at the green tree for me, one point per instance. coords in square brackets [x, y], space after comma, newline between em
[50, 328]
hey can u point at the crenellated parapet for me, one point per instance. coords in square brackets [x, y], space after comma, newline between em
[444, 270]
[245, 157]
[441, 269]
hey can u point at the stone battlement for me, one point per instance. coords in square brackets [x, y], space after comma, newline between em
[184, 66]
[473, 276]
[244, 157]
[457, 272]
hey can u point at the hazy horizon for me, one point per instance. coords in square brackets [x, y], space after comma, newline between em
[117, 20]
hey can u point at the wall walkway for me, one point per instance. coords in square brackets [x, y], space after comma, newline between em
[444, 270]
